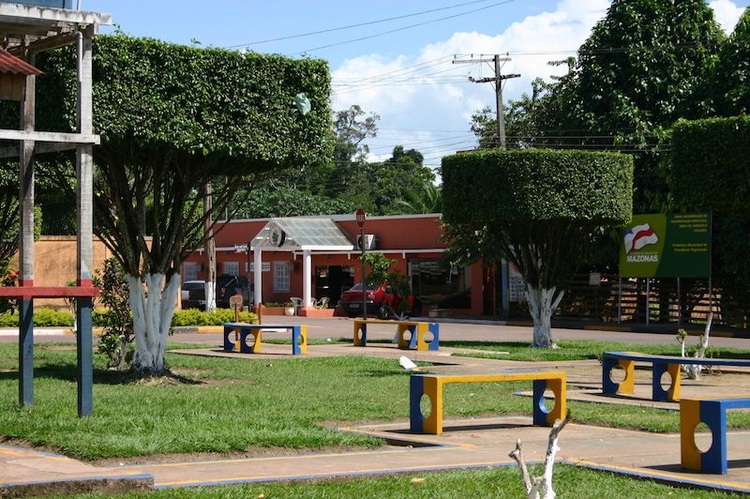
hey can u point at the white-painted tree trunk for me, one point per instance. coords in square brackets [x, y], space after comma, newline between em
[153, 306]
[542, 303]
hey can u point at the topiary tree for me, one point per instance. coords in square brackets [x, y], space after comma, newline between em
[708, 170]
[535, 208]
[174, 120]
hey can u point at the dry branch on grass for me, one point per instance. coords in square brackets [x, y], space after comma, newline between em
[540, 487]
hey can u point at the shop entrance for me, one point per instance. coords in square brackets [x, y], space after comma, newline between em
[331, 281]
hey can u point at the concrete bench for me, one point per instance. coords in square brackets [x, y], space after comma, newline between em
[418, 332]
[712, 412]
[431, 386]
[242, 331]
[661, 364]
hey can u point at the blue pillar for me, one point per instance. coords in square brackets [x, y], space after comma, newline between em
[26, 351]
[85, 355]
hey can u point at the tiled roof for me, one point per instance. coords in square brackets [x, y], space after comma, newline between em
[12, 64]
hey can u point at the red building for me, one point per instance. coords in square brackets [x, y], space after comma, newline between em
[316, 257]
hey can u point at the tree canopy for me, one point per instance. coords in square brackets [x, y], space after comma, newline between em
[173, 120]
[538, 209]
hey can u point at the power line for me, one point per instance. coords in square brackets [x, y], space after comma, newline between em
[405, 27]
[359, 25]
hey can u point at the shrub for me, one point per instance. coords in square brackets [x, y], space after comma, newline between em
[194, 317]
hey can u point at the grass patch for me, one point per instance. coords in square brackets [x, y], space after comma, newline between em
[573, 350]
[503, 482]
[244, 406]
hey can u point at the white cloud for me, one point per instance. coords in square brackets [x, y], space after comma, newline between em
[727, 13]
[425, 101]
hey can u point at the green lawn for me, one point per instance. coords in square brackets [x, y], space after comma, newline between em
[239, 405]
[489, 483]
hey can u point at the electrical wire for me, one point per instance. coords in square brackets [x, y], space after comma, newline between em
[358, 25]
[376, 35]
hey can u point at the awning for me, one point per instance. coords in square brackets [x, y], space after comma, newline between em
[303, 233]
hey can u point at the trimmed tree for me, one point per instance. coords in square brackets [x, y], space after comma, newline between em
[172, 120]
[709, 170]
[538, 209]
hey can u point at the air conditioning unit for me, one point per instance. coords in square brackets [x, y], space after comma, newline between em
[369, 241]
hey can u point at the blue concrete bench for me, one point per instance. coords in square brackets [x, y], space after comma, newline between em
[712, 412]
[418, 332]
[431, 386]
[661, 364]
[242, 331]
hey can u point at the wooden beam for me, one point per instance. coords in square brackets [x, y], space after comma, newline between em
[37, 136]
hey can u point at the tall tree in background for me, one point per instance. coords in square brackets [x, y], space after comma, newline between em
[172, 119]
[730, 82]
[643, 67]
[351, 127]
[400, 181]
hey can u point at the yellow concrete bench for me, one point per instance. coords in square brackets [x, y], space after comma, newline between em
[661, 365]
[431, 386]
[419, 333]
[242, 331]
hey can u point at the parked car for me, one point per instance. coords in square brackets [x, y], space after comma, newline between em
[194, 295]
[381, 301]
[228, 285]
[194, 292]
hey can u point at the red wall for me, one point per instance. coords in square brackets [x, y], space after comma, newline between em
[401, 235]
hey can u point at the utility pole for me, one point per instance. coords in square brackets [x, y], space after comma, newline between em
[498, 84]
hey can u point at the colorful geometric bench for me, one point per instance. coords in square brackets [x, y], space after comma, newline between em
[242, 331]
[431, 386]
[712, 412]
[418, 332]
[661, 364]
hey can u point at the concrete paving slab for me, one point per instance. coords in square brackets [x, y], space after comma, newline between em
[466, 443]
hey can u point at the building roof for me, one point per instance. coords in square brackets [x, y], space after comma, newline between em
[12, 64]
[302, 233]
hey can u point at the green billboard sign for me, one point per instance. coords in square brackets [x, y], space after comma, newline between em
[671, 245]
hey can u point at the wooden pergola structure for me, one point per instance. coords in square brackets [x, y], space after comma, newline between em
[27, 30]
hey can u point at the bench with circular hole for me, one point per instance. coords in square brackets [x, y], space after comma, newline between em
[431, 387]
[422, 335]
[713, 413]
[661, 365]
[242, 331]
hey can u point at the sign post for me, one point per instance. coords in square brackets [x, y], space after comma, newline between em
[361, 216]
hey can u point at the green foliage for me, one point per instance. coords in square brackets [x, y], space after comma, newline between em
[729, 83]
[117, 322]
[708, 168]
[9, 278]
[283, 201]
[490, 187]
[175, 118]
[43, 317]
[379, 267]
[217, 317]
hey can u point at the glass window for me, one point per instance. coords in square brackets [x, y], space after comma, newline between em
[190, 271]
[281, 277]
[232, 268]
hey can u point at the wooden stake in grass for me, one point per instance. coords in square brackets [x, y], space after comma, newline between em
[541, 484]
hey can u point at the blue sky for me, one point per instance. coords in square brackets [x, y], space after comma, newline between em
[392, 58]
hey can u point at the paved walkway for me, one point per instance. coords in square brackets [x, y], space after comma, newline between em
[465, 443]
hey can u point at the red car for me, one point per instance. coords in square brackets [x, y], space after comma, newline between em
[381, 300]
